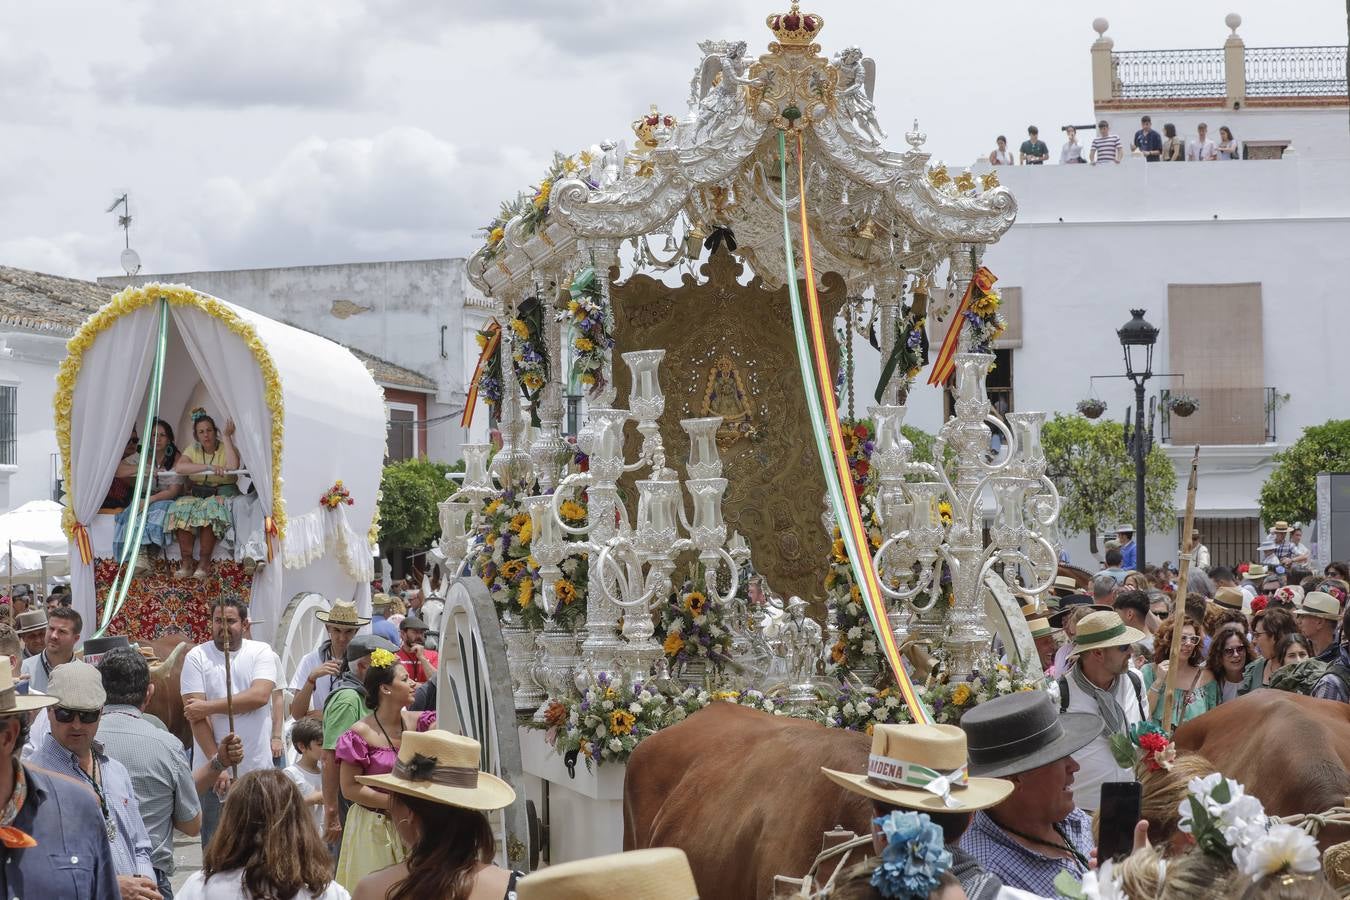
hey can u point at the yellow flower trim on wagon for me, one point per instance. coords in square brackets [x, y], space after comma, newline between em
[673, 644]
[572, 511]
[565, 591]
[526, 594]
[961, 694]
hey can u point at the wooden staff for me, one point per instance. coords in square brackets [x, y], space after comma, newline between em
[229, 695]
[1179, 604]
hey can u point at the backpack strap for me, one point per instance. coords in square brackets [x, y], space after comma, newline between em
[1137, 680]
[1063, 694]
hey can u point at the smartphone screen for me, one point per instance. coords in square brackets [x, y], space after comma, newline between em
[1118, 814]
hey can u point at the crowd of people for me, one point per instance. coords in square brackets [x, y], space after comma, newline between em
[1107, 147]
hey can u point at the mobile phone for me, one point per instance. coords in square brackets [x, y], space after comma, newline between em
[1117, 816]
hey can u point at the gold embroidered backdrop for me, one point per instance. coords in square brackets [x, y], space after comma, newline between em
[730, 353]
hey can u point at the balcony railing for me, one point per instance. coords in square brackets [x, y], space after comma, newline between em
[1167, 74]
[1295, 71]
[1224, 416]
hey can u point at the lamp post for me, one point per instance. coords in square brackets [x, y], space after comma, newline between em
[1137, 338]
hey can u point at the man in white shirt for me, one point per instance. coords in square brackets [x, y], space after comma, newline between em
[319, 669]
[253, 676]
[1201, 149]
[1100, 681]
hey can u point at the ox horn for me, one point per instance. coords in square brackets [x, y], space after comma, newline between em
[165, 667]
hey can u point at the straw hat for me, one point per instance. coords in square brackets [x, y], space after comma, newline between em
[1063, 586]
[1040, 628]
[443, 767]
[1280, 527]
[1257, 570]
[1229, 598]
[922, 767]
[1319, 606]
[660, 873]
[381, 601]
[12, 702]
[1103, 629]
[342, 613]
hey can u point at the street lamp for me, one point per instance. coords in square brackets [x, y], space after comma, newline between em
[1137, 338]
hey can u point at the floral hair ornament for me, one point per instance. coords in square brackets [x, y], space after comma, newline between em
[1228, 822]
[1145, 743]
[914, 859]
[197, 414]
[381, 658]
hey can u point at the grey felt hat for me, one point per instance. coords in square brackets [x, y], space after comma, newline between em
[1019, 732]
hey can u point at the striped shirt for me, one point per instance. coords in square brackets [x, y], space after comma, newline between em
[1107, 148]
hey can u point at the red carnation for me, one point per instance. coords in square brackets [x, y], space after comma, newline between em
[860, 432]
[862, 467]
[1153, 742]
[1260, 603]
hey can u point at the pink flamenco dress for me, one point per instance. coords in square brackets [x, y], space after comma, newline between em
[370, 841]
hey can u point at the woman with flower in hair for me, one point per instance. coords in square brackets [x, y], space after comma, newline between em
[202, 515]
[370, 841]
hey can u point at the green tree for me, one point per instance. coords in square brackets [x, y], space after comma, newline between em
[1290, 493]
[409, 493]
[1094, 474]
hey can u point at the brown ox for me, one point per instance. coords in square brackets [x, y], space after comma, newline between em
[167, 701]
[1288, 750]
[740, 792]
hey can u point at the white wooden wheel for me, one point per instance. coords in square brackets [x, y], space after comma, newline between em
[299, 632]
[473, 697]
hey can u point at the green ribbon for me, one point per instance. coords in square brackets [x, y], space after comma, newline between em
[1098, 636]
[140, 493]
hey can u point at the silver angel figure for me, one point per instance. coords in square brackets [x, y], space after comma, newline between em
[720, 88]
[857, 76]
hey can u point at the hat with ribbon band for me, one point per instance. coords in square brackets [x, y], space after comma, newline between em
[1099, 630]
[343, 612]
[922, 767]
[443, 767]
[1229, 598]
[1319, 606]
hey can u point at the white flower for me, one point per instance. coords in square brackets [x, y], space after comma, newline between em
[848, 709]
[1103, 884]
[607, 705]
[1004, 686]
[676, 626]
[601, 730]
[635, 708]
[647, 695]
[892, 701]
[832, 712]
[855, 633]
[869, 646]
[699, 620]
[616, 745]
[1283, 848]
[853, 608]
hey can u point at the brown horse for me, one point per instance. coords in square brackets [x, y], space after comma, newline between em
[740, 792]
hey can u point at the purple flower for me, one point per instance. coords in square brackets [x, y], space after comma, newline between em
[915, 338]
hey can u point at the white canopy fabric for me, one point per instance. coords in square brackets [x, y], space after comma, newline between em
[34, 532]
[307, 414]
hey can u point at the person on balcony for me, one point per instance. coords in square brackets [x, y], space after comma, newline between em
[1201, 149]
[1072, 151]
[1173, 147]
[164, 488]
[1001, 155]
[1147, 141]
[203, 515]
[1228, 146]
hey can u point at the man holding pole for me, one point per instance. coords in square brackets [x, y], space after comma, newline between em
[229, 678]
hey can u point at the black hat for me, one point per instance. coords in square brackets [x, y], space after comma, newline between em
[1067, 604]
[1019, 732]
[365, 644]
[96, 647]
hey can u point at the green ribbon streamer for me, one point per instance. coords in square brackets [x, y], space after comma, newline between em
[140, 494]
[819, 429]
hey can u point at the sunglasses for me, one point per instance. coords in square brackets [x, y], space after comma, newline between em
[87, 716]
[1233, 651]
[1189, 639]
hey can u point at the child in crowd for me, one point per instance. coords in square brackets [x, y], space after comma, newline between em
[307, 739]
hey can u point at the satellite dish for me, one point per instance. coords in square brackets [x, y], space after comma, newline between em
[131, 261]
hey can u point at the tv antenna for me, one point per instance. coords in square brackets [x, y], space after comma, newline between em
[131, 260]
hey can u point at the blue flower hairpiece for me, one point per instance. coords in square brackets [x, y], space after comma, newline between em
[914, 859]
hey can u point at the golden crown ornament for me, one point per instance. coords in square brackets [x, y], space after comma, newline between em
[795, 28]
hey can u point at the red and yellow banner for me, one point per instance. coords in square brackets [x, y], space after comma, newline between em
[494, 341]
[945, 363]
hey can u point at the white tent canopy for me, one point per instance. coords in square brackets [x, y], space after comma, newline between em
[307, 414]
[33, 532]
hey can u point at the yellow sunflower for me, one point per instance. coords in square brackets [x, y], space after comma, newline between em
[587, 378]
[987, 304]
[837, 651]
[695, 602]
[673, 645]
[572, 511]
[961, 694]
[526, 532]
[621, 721]
[520, 328]
[839, 552]
[495, 236]
[584, 345]
[526, 593]
[532, 382]
[512, 567]
[565, 591]
[519, 521]
[492, 507]
[945, 512]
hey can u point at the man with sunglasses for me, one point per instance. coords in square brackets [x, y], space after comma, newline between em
[70, 750]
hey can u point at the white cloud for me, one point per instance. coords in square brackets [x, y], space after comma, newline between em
[245, 53]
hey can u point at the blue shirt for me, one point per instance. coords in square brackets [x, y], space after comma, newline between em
[1128, 553]
[1150, 140]
[131, 845]
[72, 857]
[1021, 867]
[385, 629]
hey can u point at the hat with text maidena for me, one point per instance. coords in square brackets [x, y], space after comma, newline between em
[922, 767]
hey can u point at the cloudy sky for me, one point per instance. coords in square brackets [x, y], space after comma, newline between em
[287, 132]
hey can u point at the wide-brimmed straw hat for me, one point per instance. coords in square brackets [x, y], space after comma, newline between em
[443, 767]
[1256, 571]
[1320, 606]
[1041, 627]
[1230, 598]
[1064, 586]
[922, 767]
[12, 702]
[342, 613]
[659, 873]
[1023, 731]
[1104, 629]
[1280, 527]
